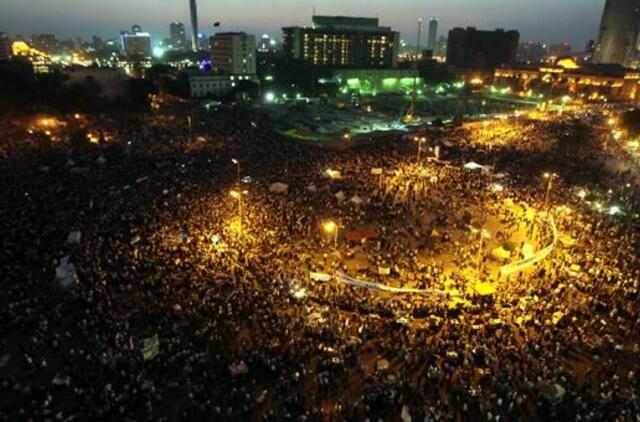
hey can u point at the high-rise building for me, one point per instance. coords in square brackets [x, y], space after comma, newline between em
[266, 44]
[137, 44]
[340, 42]
[178, 35]
[234, 53]
[432, 41]
[475, 49]
[5, 47]
[194, 24]
[618, 38]
[531, 52]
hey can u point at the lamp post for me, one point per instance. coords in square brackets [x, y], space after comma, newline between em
[549, 177]
[420, 141]
[238, 195]
[482, 235]
[237, 163]
[331, 227]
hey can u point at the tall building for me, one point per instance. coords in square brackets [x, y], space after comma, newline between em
[234, 53]
[475, 49]
[618, 38]
[5, 47]
[194, 25]
[136, 44]
[178, 35]
[432, 41]
[343, 42]
[266, 44]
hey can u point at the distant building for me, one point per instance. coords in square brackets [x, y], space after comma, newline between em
[618, 37]
[5, 47]
[475, 49]
[137, 44]
[178, 36]
[202, 85]
[45, 42]
[266, 44]
[559, 50]
[531, 52]
[234, 53]
[343, 42]
[432, 41]
[590, 82]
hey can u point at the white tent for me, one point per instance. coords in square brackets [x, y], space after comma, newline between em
[500, 254]
[73, 238]
[356, 200]
[474, 166]
[66, 273]
[278, 187]
[340, 196]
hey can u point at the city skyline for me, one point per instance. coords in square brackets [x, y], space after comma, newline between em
[573, 21]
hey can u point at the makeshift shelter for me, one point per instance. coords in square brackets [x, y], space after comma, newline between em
[66, 273]
[554, 393]
[500, 254]
[484, 289]
[356, 200]
[278, 187]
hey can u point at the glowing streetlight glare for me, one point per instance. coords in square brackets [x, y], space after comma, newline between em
[270, 97]
[329, 227]
[234, 161]
[582, 194]
[614, 210]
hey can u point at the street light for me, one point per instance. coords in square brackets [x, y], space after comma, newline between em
[331, 227]
[238, 195]
[482, 235]
[549, 177]
[420, 141]
[237, 163]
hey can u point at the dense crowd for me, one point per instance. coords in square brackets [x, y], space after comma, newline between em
[189, 304]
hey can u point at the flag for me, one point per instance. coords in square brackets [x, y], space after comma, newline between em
[216, 24]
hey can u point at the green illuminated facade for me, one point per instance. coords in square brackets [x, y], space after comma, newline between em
[374, 81]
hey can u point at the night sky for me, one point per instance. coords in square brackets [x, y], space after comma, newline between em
[574, 21]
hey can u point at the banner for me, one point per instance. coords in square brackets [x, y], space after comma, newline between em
[509, 269]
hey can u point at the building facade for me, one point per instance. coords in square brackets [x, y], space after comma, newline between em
[5, 47]
[178, 35]
[211, 85]
[475, 49]
[234, 53]
[432, 41]
[137, 44]
[591, 82]
[618, 37]
[343, 42]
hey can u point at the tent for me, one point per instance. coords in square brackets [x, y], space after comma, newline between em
[340, 196]
[474, 166]
[73, 238]
[484, 289]
[554, 393]
[355, 199]
[66, 273]
[382, 365]
[312, 188]
[278, 187]
[500, 254]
